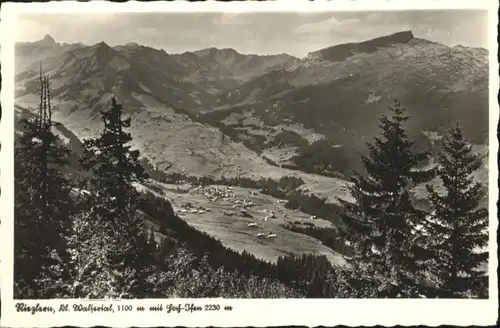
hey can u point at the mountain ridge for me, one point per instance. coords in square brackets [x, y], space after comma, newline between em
[268, 95]
[402, 37]
[342, 51]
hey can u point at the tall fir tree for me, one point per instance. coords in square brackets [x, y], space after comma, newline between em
[43, 205]
[381, 224]
[459, 222]
[114, 203]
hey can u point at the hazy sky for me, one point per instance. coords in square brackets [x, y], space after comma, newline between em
[260, 33]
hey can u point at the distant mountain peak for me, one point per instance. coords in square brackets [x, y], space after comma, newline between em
[342, 51]
[47, 39]
[403, 36]
[132, 44]
[213, 51]
[99, 50]
[101, 46]
[230, 50]
[390, 39]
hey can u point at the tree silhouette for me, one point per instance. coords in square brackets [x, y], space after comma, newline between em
[43, 205]
[458, 222]
[380, 225]
[112, 209]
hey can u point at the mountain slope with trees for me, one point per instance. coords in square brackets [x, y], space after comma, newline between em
[436, 82]
[217, 117]
[100, 248]
[344, 95]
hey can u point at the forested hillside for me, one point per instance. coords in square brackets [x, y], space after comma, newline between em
[84, 219]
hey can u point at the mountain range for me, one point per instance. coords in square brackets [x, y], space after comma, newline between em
[219, 112]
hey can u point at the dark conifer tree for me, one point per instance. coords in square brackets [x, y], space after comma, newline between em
[380, 225]
[43, 205]
[459, 223]
[114, 202]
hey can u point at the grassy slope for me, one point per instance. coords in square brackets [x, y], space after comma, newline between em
[172, 140]
[233, 230]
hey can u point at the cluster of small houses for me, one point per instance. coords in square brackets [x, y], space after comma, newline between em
[217, 194]
[188, 208]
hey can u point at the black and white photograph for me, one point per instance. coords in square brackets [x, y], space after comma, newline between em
[252, 155]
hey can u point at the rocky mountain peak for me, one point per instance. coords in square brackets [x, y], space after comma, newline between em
[215, 52]
[103, 45]
[101, 48]
[228, 51]
[48, 40]
[343, 51]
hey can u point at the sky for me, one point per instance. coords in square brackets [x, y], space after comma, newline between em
[257, 33]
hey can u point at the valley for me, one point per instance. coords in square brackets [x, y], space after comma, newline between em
[220, 114]
[245, 220]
